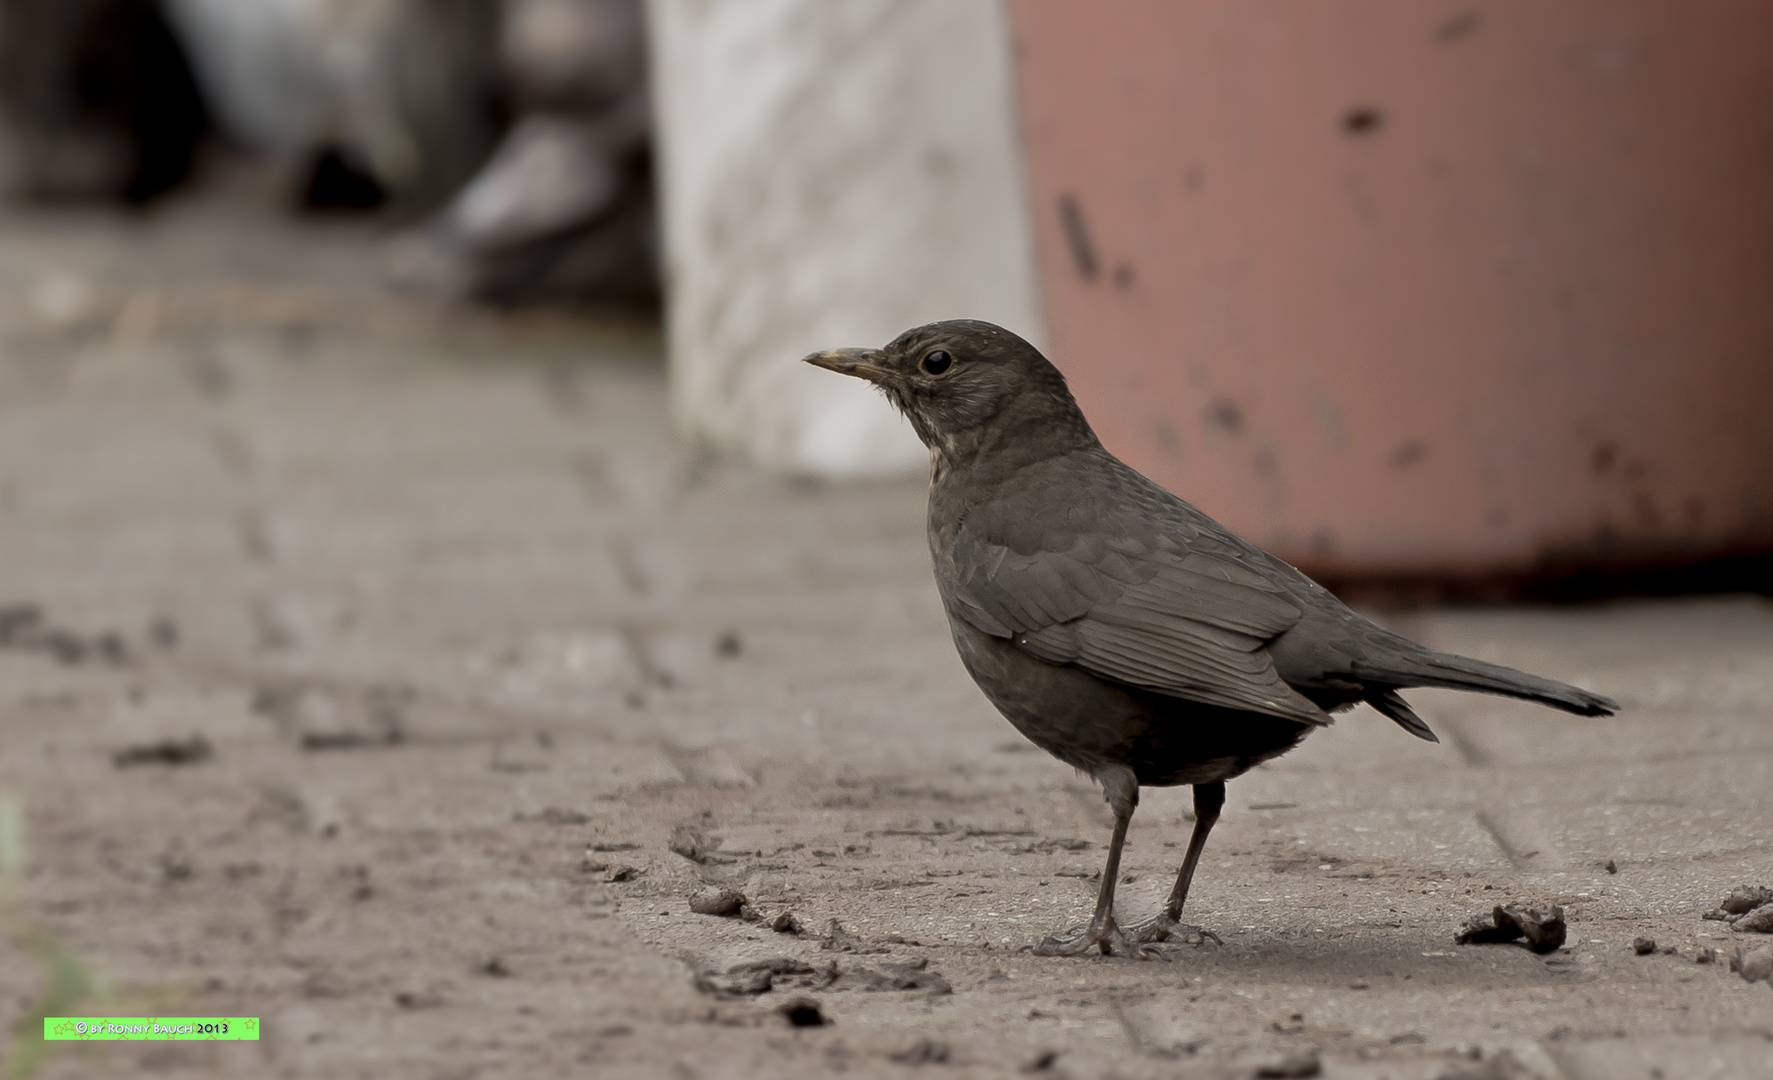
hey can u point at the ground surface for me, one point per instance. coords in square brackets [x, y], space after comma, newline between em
[473, 643]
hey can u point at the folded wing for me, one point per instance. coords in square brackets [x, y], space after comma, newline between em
[1173, 611]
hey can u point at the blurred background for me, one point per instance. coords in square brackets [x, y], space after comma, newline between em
[1467, 297]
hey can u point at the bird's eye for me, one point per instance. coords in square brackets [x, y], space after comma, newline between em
[937, 362]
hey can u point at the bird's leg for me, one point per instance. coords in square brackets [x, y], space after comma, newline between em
[1209, 799]
[1122, 792]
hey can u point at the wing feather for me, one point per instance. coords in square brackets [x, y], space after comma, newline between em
[1170, 612]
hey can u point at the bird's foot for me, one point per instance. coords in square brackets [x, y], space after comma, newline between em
[1161, 927]
[1106, 937]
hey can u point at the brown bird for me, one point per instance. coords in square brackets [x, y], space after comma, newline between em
[1116, 626]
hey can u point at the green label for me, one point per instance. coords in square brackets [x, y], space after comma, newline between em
[119, 1028]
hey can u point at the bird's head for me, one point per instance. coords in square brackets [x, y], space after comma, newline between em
[967, 387]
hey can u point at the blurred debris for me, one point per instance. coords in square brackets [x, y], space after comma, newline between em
[692, 843]
[1756, 966]
[23, 627]
[1502, 1065]
[1643, 946]
[1543, 931]
[564, 207]
[321, 718]
[759, 976]
[165, 752]
[925, 1051]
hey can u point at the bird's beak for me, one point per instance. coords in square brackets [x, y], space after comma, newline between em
[862, 363]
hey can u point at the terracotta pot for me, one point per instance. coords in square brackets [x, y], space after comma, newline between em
[1418, 289]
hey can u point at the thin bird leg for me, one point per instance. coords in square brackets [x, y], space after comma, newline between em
[1209, 799]
[1102, 933]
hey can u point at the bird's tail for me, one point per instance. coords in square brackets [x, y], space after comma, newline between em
[1425, 668]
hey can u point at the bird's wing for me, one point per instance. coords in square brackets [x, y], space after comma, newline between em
[1161, 603]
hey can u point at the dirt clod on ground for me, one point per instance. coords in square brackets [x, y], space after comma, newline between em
[1543, 931]
[761, 976]
[1745, 899]
[1756, 966]
[717, 900]
[839, 939]
[1643, 946]
[1748, 907]
[787, 923]
[1758, 921]
[165, 752]
[1293, 1065]
[803, 1012]
[913, 975]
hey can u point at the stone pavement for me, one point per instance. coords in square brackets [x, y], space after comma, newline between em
[471, 644]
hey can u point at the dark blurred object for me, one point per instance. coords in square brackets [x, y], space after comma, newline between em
[97, 100]
[375, 101]
[564, 209]
[337, 183]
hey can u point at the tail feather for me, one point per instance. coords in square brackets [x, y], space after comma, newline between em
[1394, 706]
[1427, 668]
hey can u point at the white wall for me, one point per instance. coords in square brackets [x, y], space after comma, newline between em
[834, 172]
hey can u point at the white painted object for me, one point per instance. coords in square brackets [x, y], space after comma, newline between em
[833, 173]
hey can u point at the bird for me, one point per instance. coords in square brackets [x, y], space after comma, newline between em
[1115, 625]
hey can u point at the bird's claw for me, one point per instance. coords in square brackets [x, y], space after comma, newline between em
[1108, 938]
[1163, 928]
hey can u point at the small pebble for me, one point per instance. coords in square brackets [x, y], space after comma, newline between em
[1643, 946]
